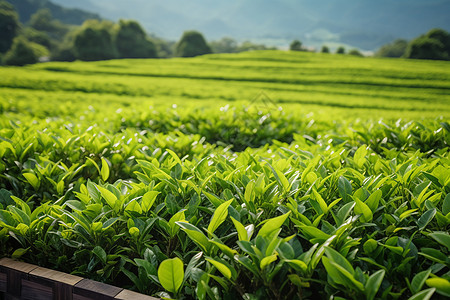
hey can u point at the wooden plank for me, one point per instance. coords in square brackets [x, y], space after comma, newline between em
[62, 291]
[95, 290]
[11, 297]
[3, 280]
[14, 282]
[35, 291]
[130, 295]
[17, 265]
[56, 276]
[19, 280]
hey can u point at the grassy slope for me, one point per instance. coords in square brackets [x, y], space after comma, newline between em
[313, 82]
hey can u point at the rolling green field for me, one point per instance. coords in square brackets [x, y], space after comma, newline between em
[279, 175]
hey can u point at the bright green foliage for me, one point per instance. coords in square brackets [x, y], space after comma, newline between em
[211, 200]
[171, 274]
[21, 53]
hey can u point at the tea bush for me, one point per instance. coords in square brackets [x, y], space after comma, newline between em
[212, 199]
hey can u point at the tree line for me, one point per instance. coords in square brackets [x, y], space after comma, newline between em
[43, 37]
[435, 44]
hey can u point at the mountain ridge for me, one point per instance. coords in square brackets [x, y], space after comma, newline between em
[363, 23]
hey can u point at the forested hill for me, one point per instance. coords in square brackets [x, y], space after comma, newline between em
[363, 23]
[26, 8]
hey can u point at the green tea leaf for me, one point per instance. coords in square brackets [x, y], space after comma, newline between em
[100, 253]
[360, 156]
[104, 172]
[219, 216]
[171, 274]
[442, 285]
[339, 259]
[196, 235]
[442, 237]
[18, 253]
[179, 216]
[373, 284]
[419, 280]
[221, 267]
[322, 204]
[249, 194]
[148, 200]
[426, 218]
[423, 295]
[267, 261]
[242, 233]
[345, 188]
[362, 209]
[33, 180]
[370, 245]
[314, 233]
[108, 196]
[297, 264]
[224, 248]
[273, 225]
[340, 275]
[374, 200]
[446, 205]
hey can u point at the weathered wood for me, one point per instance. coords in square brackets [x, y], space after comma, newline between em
[130, 295]
[32, 290]
[19, 280]
[17, 265]
[11, 297]
[3, 279]
[14, 282]
[94, 290]
[56, 276]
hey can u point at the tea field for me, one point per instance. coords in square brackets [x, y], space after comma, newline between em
[269, 174]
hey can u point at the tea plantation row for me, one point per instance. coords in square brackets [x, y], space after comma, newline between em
[204, 199]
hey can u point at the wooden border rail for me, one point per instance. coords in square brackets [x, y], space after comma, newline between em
[19, 280]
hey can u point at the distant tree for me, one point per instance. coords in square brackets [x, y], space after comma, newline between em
[435, 44]
[164, 49]
[325, 49]
[296, 45]
[21, 53]
[355, 52]
[9, 25]
[94, 42]
[426, 48]
[192, 43]
[442, 36]
[340, 50]
[224, 45]
[249, 46]
[38, 37]
[43, 21]
[4, 5]
[65, 50]
[63, 53]
[132, 42]
[395, 49]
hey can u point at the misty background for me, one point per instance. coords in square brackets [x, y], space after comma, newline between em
[365, 24]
